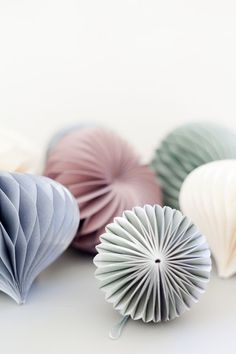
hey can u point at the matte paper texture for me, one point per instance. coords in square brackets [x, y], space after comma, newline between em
[105, 175]
[65, 131]
[152, 263]
[17, 154]
[186, 148]
[38, 220]
[208, 197]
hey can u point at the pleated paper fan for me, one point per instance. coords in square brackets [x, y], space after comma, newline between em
[17, 154]
[106, 177]
[187, 147]
[38, 220]
[152, 263]
[208, 196]
[64, 131]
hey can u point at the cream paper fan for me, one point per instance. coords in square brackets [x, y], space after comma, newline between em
[152, 263]
[17, 154]
[208, 196]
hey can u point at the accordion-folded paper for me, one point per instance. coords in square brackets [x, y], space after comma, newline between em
[152, 263]
[208, 197]
[186, 148]
[105, 175]
[65, 131]
[17, 154]
[38, 220]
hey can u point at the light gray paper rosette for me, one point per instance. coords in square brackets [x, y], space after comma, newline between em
[152, 263]
[38, 220]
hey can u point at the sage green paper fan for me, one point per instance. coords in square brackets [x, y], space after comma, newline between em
[187, 147]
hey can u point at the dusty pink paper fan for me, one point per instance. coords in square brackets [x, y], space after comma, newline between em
[105, 176]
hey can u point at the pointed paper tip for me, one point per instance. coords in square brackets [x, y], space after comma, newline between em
[21, 302]
[116, 330]
[20, 299]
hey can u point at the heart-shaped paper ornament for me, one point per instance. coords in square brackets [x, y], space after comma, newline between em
[208, 197]
[105, 175]
[152, 264]
[187, 147]
[38, 220]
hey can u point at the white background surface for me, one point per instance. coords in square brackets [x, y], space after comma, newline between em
[140, 67]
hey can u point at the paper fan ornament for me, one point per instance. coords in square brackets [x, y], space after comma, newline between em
[105, 175]
[208, 196]
[64, 131]
[152, 264]
[17, 154]
[187, 147]
[38, 220]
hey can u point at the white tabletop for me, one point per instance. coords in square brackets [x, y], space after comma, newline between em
[67, 313]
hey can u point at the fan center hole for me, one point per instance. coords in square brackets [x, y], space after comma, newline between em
[157, 260]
